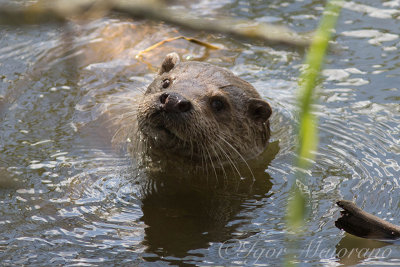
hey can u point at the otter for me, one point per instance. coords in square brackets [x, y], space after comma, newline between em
[201, 114]
[191, 134]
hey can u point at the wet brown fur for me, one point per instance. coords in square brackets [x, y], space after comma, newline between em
[201, 136]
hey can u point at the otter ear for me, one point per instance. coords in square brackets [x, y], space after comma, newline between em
[259, 110]
[169, 62]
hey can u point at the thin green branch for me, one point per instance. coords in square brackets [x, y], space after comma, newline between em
[308, 131]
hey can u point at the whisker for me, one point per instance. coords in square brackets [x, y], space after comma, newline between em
[221, 164]
[204, 162]
[240, 155]
[230, 160]
[212, 164]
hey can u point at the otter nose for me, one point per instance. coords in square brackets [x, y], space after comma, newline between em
[174, 102]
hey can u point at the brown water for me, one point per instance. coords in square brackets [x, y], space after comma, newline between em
[68, 198]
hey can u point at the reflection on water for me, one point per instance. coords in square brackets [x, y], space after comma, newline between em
[353, 250]
[68, 197]
[186, 214]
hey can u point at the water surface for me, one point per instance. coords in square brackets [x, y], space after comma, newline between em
[68, 197]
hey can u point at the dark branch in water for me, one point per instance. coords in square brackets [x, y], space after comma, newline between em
[357, 222]
[60, 11]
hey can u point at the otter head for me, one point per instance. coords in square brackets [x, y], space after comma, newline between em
[202, 113]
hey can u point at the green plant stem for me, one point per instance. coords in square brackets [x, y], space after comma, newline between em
[308, 131]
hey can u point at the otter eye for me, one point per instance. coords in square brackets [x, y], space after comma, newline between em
[166, 83]
[217, 104]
